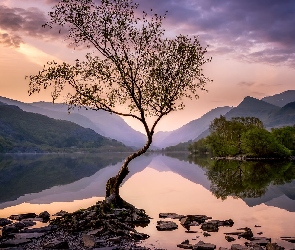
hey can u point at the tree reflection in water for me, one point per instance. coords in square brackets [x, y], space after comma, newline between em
[245, 179]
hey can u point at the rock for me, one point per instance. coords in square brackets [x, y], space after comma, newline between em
[60, 213]
[56, 244]
[289, 239]
[23, 224]
[262, 241]
[45, 229]
[88, 240]
[248, 234]
[206, 234]
[166, 225]
[227, 223]
[10, 229]
[23, 216]
[4, 222]
[115, 239]
[238, 247]
[253, 246]
[260, 233]
[189, 219]
[13, 243]
[233, 233]
[171, 215]
[28, 235]
[210, 226]
[229, 238]
[204, 246]
[185, 245]
[45, 216]
[273, 246]
[96, 232]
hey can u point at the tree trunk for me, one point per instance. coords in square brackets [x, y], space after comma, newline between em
[113, 184]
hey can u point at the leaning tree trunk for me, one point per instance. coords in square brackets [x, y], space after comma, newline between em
[113, 184]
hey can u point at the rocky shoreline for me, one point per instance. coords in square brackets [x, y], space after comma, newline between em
[91, 229]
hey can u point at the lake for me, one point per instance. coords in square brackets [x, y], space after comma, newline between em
[255, 193]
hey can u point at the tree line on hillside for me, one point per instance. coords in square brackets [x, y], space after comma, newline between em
[27, 132]
[245, 136]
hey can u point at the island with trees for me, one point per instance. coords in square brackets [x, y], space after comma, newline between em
[245, 137]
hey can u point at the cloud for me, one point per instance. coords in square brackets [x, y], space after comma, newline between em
[252, 30]
[8, 40]
[246, 84]
[15, 23]
[237, 27]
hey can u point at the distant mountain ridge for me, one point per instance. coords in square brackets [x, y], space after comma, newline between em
[190, 130]
[28, 132]
[281, 99]
[274, 111]
[103, 123]
[106, 124]
[271, 115]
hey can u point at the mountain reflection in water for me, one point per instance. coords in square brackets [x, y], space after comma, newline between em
[157, 183]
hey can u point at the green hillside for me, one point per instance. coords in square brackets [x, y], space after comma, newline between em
[22, 131]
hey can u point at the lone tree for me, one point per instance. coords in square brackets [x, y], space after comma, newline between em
[131, 64]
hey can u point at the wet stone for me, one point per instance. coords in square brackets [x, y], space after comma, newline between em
[210, 226]
[274, 246]
[262, 241]
[4, 222]
[23, 216]
[204, 246]
[238, 247]
[229, 238]
[166, 225]
[56, 244]
[171, 215]
[14, 242]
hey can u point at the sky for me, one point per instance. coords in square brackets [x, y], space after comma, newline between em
[251, 42]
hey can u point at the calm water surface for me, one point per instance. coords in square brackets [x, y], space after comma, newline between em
[250, 194]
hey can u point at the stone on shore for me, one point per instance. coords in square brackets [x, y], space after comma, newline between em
[204, 246]
[274, 246]
[238, 247]
[4, 222]
[20, 217]
[45, 216]
[56, 244]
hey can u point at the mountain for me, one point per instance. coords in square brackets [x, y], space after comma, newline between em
[22, 131]
[271, 115]
[109, 125]
[281, 99]
[189, 131]
[101, 122]
[253, 107]
[283, 117]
